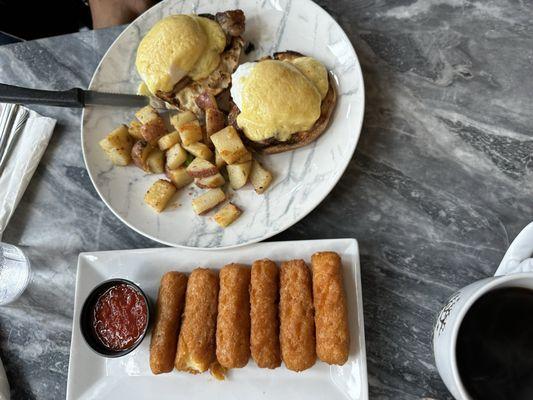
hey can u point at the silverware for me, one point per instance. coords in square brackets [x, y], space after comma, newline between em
[76, 97]
[12, 122]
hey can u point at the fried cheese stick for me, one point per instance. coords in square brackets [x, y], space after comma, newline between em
[196, 343]
[264, 303]
[331, 319]
[170, 302]
[297, 329]
[233, 322]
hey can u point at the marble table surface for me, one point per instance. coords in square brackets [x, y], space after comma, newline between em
[440, 183]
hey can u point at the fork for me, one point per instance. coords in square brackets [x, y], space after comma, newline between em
[11, 125]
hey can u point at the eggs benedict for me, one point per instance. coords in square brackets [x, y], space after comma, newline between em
[183, 56]
[282, 103]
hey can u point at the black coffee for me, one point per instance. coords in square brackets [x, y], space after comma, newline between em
[495, 346]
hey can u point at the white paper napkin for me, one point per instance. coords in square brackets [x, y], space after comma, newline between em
[33, 132]
[34, 135]
[518, 257]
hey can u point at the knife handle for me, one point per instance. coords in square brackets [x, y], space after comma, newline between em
[65, 98]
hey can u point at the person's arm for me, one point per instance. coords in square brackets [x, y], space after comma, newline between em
[106, 13]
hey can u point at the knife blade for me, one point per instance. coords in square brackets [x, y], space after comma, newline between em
[74, 98]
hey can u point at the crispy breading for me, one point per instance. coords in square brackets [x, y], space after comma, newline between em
[170, 303]
[196, 343]
[331, 319]
[297, 324]
[264, 303]
[233, 322]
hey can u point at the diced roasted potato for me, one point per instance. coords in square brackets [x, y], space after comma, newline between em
[169, 140]
[206, 100]
[238, 174]
[159, 194]
[147, 114]
[153, 130]
[181, 118]
[260, 177]
[229, 144]
[227, 215]
[215, 120]
[200, 168]
[135, 129]
[208, 201]
[176, 156]
[246, 157]
[117, 146]
[210, 182]
[140, 152]
[199, 150]
[219, 161]
[179, 177]
[156, 161]
[190, 132]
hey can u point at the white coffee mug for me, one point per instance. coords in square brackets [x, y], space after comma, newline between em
[515, 270]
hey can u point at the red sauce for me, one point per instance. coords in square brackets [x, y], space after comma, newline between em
[120, 317]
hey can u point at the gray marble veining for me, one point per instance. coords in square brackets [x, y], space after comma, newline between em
[440, 183]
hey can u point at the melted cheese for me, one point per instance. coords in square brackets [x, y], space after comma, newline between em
[277, 99]
[177, 46]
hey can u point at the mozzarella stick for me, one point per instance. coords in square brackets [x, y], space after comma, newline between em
[196, 343]
[264, 299]
[331, 319]
[233, 323]
[170, 302]
[297, 329]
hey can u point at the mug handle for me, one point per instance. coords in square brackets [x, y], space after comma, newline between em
[517, 258]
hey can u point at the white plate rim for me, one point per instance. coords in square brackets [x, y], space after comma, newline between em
[85, 257]
[314, 204]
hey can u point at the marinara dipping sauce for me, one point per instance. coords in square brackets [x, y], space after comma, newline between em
[120, 317]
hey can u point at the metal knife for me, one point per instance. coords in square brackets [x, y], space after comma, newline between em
[74, 98]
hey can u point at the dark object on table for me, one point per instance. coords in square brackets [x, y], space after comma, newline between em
[36, 19]
[98, 318]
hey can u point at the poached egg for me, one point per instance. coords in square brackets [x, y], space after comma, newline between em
[178, 46]
[278, 98]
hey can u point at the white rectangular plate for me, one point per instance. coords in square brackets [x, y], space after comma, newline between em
[91, 376]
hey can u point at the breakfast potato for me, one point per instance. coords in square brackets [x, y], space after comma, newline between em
[153, 130]
[181, 118]
[190, 132]
[117, 146]
[169, 140]
[238, 174]
[246, 157]
[147, 114]
[135, 129]
[179, 177]
[159, 194]
[229, 144]
[200, 168]
[215, 120]
[260, 177]
[219, 161]
[176, 156]
[206, 101]
[208, 201]
[140, 152]
[227, 215]
[199, 150]
[210, 182]
[156, 161]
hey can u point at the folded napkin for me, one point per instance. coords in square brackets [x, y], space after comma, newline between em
[31, 133]
[518, 257]
[28, 134]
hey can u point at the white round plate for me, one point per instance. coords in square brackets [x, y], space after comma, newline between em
[302, 178]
